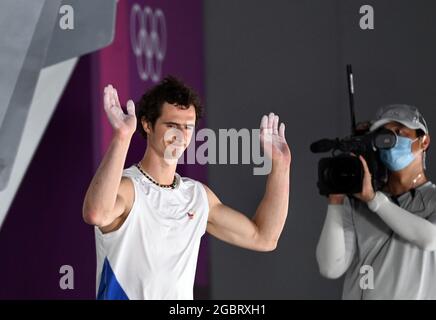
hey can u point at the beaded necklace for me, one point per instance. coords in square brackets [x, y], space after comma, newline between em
[168, 186]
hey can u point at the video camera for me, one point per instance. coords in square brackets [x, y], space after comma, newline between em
[343, 173]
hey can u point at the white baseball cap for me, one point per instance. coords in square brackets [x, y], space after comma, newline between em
[407, 115]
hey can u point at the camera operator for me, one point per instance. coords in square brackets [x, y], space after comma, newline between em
[391, 232]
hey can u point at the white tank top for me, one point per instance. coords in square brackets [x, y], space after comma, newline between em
[153, 255]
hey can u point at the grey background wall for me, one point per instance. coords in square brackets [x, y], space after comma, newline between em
[289, 57]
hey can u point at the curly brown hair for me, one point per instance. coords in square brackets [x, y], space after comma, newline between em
[170, 90]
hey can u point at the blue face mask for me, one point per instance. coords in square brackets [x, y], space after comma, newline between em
[399, 156]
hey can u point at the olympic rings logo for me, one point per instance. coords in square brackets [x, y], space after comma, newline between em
[148, 37]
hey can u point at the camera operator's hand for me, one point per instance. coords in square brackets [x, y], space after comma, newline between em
[367, 193]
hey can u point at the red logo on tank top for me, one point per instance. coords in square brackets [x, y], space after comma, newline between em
[191, 214]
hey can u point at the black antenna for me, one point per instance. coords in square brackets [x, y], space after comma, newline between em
[351, 97]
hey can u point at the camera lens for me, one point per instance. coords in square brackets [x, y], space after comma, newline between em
[385, 139]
